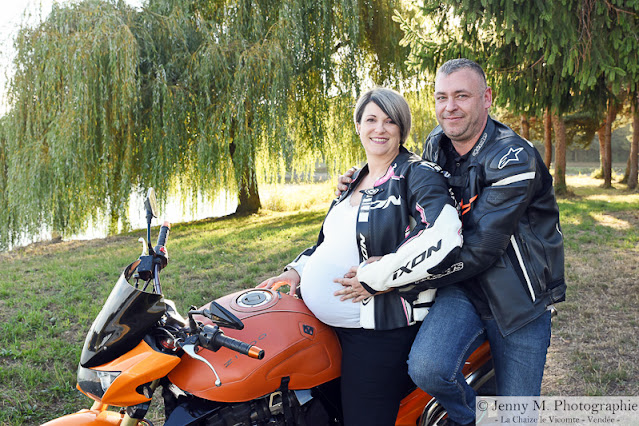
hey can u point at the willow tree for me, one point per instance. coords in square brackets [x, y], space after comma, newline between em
[71, 130]
[202, 95]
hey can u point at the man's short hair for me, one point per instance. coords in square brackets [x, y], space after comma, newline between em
[392, 103]
[462, 63]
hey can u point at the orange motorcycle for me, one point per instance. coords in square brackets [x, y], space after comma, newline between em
[274, 363]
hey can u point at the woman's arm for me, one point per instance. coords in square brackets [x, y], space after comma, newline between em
[432, 242]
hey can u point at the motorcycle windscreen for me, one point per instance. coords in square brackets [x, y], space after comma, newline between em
[125, 318]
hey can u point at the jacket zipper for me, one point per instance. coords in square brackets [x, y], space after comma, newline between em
[513, 241]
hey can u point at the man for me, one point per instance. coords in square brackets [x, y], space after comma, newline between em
[510, 269]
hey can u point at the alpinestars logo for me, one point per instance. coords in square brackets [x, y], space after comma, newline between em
[512, 155]
[453, 268]
[410, 266]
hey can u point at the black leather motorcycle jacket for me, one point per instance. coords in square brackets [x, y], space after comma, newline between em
[513, 244]
[409, 217]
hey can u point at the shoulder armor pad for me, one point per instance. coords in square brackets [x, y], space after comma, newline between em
[429, 165]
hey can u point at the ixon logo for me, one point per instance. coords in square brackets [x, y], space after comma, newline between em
[410, 266]
[382, 204]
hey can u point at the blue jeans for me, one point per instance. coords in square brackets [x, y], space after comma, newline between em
[451, 331]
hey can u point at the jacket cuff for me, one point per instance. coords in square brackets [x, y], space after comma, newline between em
[368, 289]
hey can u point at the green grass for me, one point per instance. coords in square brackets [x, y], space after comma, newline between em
[50, 293]
[594, 345]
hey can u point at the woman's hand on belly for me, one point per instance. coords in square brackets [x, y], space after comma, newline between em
[352, 289]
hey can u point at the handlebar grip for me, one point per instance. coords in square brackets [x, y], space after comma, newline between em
[255, 352]
[238, 346]
[164, 233]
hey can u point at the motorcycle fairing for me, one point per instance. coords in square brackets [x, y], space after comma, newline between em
[93, 417]
[121, 324]
[139, 366]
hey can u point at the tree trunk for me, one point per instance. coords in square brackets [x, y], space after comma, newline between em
[606, 153]
[525, 127]
[560, 154]
[634, 146]
[248, 196]
[624, 179]
[601, 135]
[547, 138]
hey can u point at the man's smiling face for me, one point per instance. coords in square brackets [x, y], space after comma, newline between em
[462, 101]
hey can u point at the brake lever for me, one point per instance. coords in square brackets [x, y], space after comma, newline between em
[145, 250]
[190, 350]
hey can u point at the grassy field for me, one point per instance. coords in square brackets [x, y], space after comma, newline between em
[595, 344]
[50, 293]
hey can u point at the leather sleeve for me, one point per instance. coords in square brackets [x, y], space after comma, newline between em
[510, 178]
[300, 260]
[436, 233]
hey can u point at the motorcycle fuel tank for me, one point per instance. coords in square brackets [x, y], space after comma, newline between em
[296, 344]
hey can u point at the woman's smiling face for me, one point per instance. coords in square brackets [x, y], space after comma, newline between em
[380, 136]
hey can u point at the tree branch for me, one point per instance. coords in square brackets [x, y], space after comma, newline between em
[619, 10]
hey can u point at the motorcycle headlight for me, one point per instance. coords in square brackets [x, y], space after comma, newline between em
[94, 382]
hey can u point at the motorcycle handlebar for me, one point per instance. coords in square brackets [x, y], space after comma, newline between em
[164, 233]
[239, 346]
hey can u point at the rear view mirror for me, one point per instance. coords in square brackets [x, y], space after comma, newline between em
[150, 204]
[219, 315]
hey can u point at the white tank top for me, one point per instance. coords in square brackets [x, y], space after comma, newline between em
[332, 259]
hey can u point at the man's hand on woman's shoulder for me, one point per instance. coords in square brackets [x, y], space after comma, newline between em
[344, 180]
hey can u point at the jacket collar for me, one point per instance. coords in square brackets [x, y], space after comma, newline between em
[432, 150]
[400, 159]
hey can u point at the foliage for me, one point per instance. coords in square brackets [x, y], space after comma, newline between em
[70, 132]
[204, 95]
[518, 43]
[569, 56]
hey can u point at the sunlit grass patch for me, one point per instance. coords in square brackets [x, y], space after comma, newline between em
[284, 198]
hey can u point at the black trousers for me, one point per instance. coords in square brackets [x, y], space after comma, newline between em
[374, 374]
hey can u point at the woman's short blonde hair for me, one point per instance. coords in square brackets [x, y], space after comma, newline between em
[392, 103]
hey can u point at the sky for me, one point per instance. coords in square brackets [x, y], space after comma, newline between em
[14, 13]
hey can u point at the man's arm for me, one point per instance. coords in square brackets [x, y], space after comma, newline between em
[511, 179]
